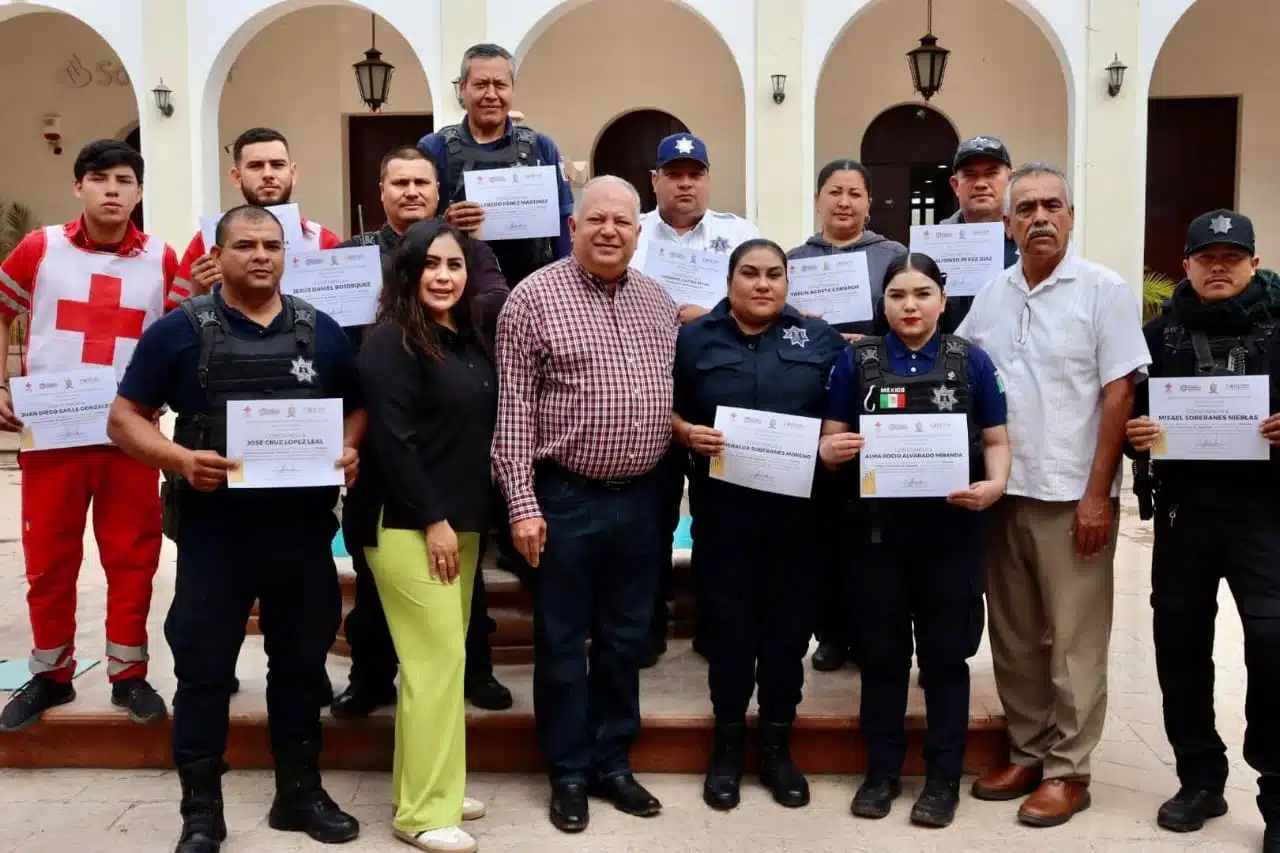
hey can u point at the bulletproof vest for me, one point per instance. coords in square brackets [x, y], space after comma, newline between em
[944, 389]
[280, 366]
[518, 258]
[1193, 352]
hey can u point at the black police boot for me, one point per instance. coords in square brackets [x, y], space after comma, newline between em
[936, 805]
[140, 699]
[829, 657]
[486, 691]
[875, 796]
[778, 772]
[722, 787]
[1271, 838]
[360, 700]
[1188, 809]
[203, 827]
[301, 804]
[31, 700]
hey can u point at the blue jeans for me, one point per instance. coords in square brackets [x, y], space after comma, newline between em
[597, 579]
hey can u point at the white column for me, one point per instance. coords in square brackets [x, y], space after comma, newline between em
[784, 132]
[462, 24]
[169, 202]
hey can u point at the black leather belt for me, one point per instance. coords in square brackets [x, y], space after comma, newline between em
[546, 468]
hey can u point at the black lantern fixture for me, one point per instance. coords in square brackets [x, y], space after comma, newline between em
[162, 95]
[779, 87]
[373, 74]
[1115, 76]
[928, 61]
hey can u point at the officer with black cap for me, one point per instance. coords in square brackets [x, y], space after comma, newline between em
[980, 176]
[1215, 519]
[244, 341]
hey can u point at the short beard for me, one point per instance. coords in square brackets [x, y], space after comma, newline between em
[249, 199]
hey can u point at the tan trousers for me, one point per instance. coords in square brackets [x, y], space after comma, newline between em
[1050, 626]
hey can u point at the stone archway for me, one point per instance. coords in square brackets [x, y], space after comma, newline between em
[909, 150]
[627, 146]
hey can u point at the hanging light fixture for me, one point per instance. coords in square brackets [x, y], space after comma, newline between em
[373, 74]
[928, 61]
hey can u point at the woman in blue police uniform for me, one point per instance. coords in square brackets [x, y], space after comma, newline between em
[755, 548]
[918, 561]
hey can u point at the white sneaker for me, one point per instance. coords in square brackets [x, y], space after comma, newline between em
[450, 839]
[472, 809]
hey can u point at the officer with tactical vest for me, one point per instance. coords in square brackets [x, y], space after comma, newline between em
[1215, 518]
[919, 563]
[488, 139]
[244, 341]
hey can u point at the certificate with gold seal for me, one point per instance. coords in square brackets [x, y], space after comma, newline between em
[914, 456]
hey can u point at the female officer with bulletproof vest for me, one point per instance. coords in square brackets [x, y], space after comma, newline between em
[754, 548]
[918, 561]
[1214, 519]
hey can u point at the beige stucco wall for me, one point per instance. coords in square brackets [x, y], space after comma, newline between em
[296, 76]
[37, 51]
[577, 78]
[1003, 78]
[1211, 52]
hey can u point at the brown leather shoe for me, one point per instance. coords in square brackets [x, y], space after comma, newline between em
[1054, 802]
[1008, 783]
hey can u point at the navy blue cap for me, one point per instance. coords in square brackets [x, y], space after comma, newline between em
[1220, 228]
[682, 146]
[981, 146]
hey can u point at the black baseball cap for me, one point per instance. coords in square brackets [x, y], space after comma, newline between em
[981, 146]
[1220, 228]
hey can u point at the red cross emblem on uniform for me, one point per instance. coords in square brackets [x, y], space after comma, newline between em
[101, 319]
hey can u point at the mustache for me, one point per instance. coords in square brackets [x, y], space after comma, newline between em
[1042, 231]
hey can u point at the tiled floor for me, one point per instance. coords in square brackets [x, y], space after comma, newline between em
[112, 812]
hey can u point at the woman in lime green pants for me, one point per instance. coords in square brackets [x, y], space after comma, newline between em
[431, 394]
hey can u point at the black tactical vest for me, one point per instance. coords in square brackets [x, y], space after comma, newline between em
[944, 389]
[233, 368]
[518, 258]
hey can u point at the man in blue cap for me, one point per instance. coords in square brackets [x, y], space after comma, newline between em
[682, 183]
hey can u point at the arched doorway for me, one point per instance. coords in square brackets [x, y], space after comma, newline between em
[134, 141]
[909, 150]
[627, 148]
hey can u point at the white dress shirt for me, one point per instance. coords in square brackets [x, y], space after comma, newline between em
[716, 231]
[1056, 345]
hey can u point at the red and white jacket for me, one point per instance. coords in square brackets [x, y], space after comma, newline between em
[88, 305]
[315, 235]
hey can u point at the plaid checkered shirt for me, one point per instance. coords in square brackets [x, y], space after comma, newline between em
[584, 379]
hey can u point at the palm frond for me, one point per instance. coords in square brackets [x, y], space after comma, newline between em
[1157, 289]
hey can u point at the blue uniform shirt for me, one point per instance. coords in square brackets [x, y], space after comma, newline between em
[433, 145]
[986, 391]
[163, 369]
[783, 370]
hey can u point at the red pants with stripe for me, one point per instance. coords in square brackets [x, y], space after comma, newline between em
[58, 487]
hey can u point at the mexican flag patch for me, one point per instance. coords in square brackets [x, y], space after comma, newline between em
[893, 400]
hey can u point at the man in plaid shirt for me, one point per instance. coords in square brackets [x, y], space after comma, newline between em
[585, 349]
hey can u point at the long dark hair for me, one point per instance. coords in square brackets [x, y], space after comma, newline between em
[401, 305]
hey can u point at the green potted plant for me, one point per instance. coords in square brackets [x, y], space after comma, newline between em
[16, 221]
[1157, 288]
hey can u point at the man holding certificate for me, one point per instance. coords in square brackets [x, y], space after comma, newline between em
[269, 421]
[750, 384]
[924, 413]
[1206, 424]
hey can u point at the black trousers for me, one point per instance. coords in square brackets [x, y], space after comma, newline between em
[1197, 546]
[923, 573]
[670, 475]
[373, 655]
[226, 560]
[757, 554]
[834, 621]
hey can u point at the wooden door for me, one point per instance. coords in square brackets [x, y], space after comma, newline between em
[908, 150]
[629, 146]
[1191, 169]
[369, 138]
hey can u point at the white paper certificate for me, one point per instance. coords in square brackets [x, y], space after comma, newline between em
[767, 451]
[519, 203]
[837, 287]
[1211, 417]
[343, 283]
[284, 443]
[288, 214]
[689, 276]
[970, 255]
[914, 456]
[64, 409]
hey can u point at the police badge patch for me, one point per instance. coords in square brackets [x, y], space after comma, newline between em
[944, 398]
[304, 370]
[796, 336]
[719, 244]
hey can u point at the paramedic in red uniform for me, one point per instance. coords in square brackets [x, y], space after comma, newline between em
[90, 286]
[265, 173]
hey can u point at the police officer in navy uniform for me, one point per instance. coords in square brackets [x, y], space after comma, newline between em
[488, 139]
[244, 341]
[918, 563]
[757, 550]
[1214, 519]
